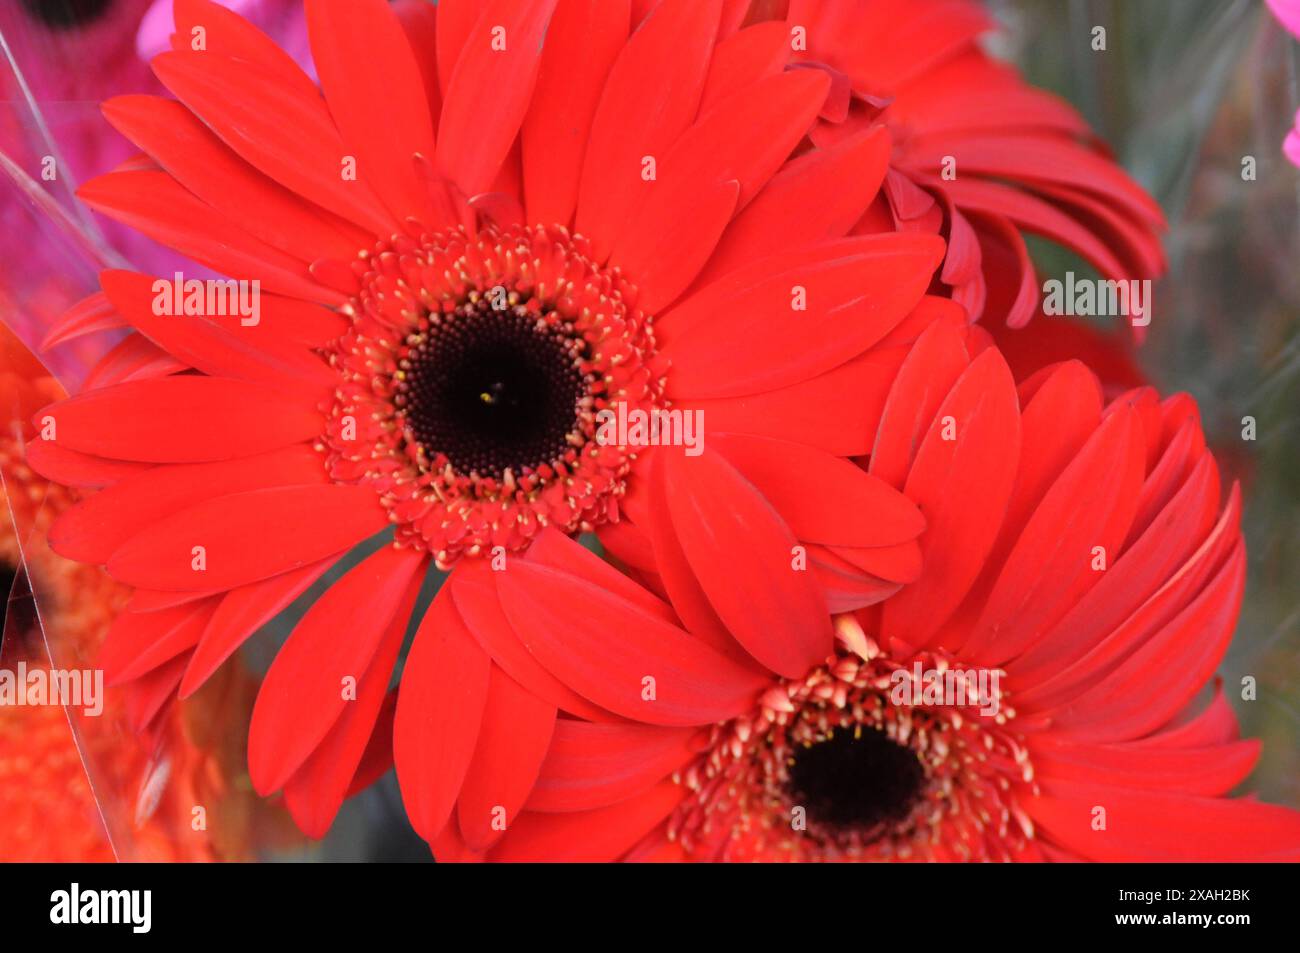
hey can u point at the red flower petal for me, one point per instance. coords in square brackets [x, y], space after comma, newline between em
[156, 204]
[242, 612]
[316, 791]
[244, 352]
[591, 766]
[512, 743]
[179, 142]
[181, 420]
[814, 411]
[928, 373]
[439, 710]
[743, 140]
[962, 486]
[139, 642]
[650, 97]
[791, 211]
[376, 95]
[226, 33]
[475, 594]
[1159, 826]
[302, 696]
[850, 507]
[285, 132]
[490, 81]
[72, 468]
[294, 526]
[1051, 566]
[777, 613]
[584, 38]
[742, 59]
[588, 836]
[91, 530]
[1161, 677]
[566, 623]
[855, 291]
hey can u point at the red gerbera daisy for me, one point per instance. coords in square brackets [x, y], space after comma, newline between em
[602, 222]
[977, 153]
[1033, 696]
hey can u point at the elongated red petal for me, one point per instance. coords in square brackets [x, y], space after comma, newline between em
[512, 743]
[1087, 511]
[961, 479]
[139, 642]
[479, 606]
[91, 530]
[189, 151]
[235, 350]
[850, 508]
[72, 468]
[439, 710]
[494, 76]
[268, 123]
[294, 526]
[924, 380]
[836, 300]
[305, 690]
[588, 836]
[744, 140]
[226, 33]
[590, 766]
[156, 204]
[653, 672]
[376, 95]
[316, 791]
[1163, 826]
[1209, 771]
[651, 96]
[791, 211]
[584, 38]
[776, 612]
[744, 58]
[181, 420]
[242, 612]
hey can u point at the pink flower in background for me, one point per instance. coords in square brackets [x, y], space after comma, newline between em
[1287, 13]
[57, 61]
[1291, 146]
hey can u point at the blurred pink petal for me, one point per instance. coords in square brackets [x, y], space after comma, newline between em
[1292, 144]
[1287, 13]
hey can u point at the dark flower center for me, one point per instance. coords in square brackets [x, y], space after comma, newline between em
[66, 14]
[493, 390]
[856, 779]
[472, 383]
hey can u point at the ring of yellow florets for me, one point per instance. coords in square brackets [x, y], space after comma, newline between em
[973, 768]
[416, 295]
